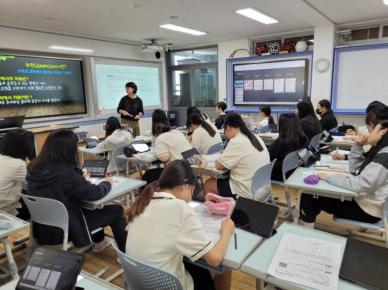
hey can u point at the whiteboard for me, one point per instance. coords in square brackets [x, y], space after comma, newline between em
[360, 77]
[110, 77]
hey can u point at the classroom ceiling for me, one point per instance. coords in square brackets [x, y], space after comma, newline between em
[134, 21]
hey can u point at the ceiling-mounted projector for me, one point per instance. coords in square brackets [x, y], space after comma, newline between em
[153, 46]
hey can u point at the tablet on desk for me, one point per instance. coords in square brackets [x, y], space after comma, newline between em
[254, 216]
[140, 147]
[96, 168]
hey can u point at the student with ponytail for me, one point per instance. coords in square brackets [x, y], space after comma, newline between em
[267, 121]
[163, 228]
[370, 179]
[204, 135]
[244, 154]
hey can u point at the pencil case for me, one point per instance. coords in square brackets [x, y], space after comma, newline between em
[219, 205]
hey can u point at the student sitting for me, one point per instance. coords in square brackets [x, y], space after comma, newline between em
[163, 228]
[267, 119]
[308, 119]
[291, 138]
[54, 174]
[169, 144]
[328, 120]
[220, 110]
[203, 136]
[244, 154]
[158, 116]
[370, 179]
[195, 110]
[16, 150]
[115, 137]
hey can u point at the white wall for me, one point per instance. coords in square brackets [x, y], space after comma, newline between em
[321, 82]
[19, 40]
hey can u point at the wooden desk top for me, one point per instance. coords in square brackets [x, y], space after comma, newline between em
[50, 128]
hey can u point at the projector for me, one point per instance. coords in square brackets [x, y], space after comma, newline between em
[151, 48]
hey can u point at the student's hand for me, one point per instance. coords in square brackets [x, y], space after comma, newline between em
[108, 179]
[137, 117]
[227, 227]
[361, 139]
[322, 175]
[376, 135]
[86, 174]
[338, 156]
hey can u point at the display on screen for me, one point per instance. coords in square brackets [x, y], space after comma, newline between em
[40, 87]
[280, 82]
[111, 80]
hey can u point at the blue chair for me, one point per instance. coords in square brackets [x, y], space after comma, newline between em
[216, 148]
[315, 141]
[290, 162]
[381, 227]
[139, 275]
[262, 180]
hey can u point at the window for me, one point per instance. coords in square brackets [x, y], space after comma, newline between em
[193, 77]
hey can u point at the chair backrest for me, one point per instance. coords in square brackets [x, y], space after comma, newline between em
[315, 141]
[290, 162]
[262, 179]
[265, 129]
[47, 211]
[138, 275]
[216, 148]
[119, 163]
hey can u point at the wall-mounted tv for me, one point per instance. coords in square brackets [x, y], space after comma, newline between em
[38, 87]
[275, 83]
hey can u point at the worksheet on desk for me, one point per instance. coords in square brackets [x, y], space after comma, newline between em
[307, 261]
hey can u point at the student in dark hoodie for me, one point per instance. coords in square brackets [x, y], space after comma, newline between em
[328, 120]
[308, 119]
[54, 174]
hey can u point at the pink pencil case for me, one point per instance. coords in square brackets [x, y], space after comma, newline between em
[219, 205]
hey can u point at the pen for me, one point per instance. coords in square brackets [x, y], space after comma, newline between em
[235, 241]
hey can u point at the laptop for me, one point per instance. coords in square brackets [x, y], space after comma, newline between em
[9, 123]
[255, 217]
[50, 269]
[96, 168]
[140, 147]
[191, 156]
[365, 264]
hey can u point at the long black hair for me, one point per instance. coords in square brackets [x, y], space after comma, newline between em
[305, 108]
[59, 150]
[161, 128]
[177, 173]
[234, 120]
[374, 105]
[267, 112]
[197, 119]
[291, 134]
[19, 144]
[193, 110]
[111, 125]
[375, 117]
[158, 117]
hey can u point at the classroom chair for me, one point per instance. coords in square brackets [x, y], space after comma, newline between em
[216, 148]
[315, 141]
[138, 275]
[381, 227]
[290, 162]
[262, 179]
[50, 212]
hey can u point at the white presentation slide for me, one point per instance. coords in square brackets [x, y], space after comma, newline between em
[278, 86]
[111, 80]
[258, 85]
[248, 85]
[290, 85]
[268, 85]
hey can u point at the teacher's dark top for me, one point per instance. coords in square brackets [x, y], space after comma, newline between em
[132, 106]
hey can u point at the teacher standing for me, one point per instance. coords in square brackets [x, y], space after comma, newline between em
[131, 108]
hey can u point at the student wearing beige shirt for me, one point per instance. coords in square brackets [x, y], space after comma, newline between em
[204, 135]
[163, 228]
[16, 149]
[244, 154]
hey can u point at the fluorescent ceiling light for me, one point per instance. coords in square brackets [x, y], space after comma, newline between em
[256, 15]
[385, 2]
[182, 29]
[73, 49]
